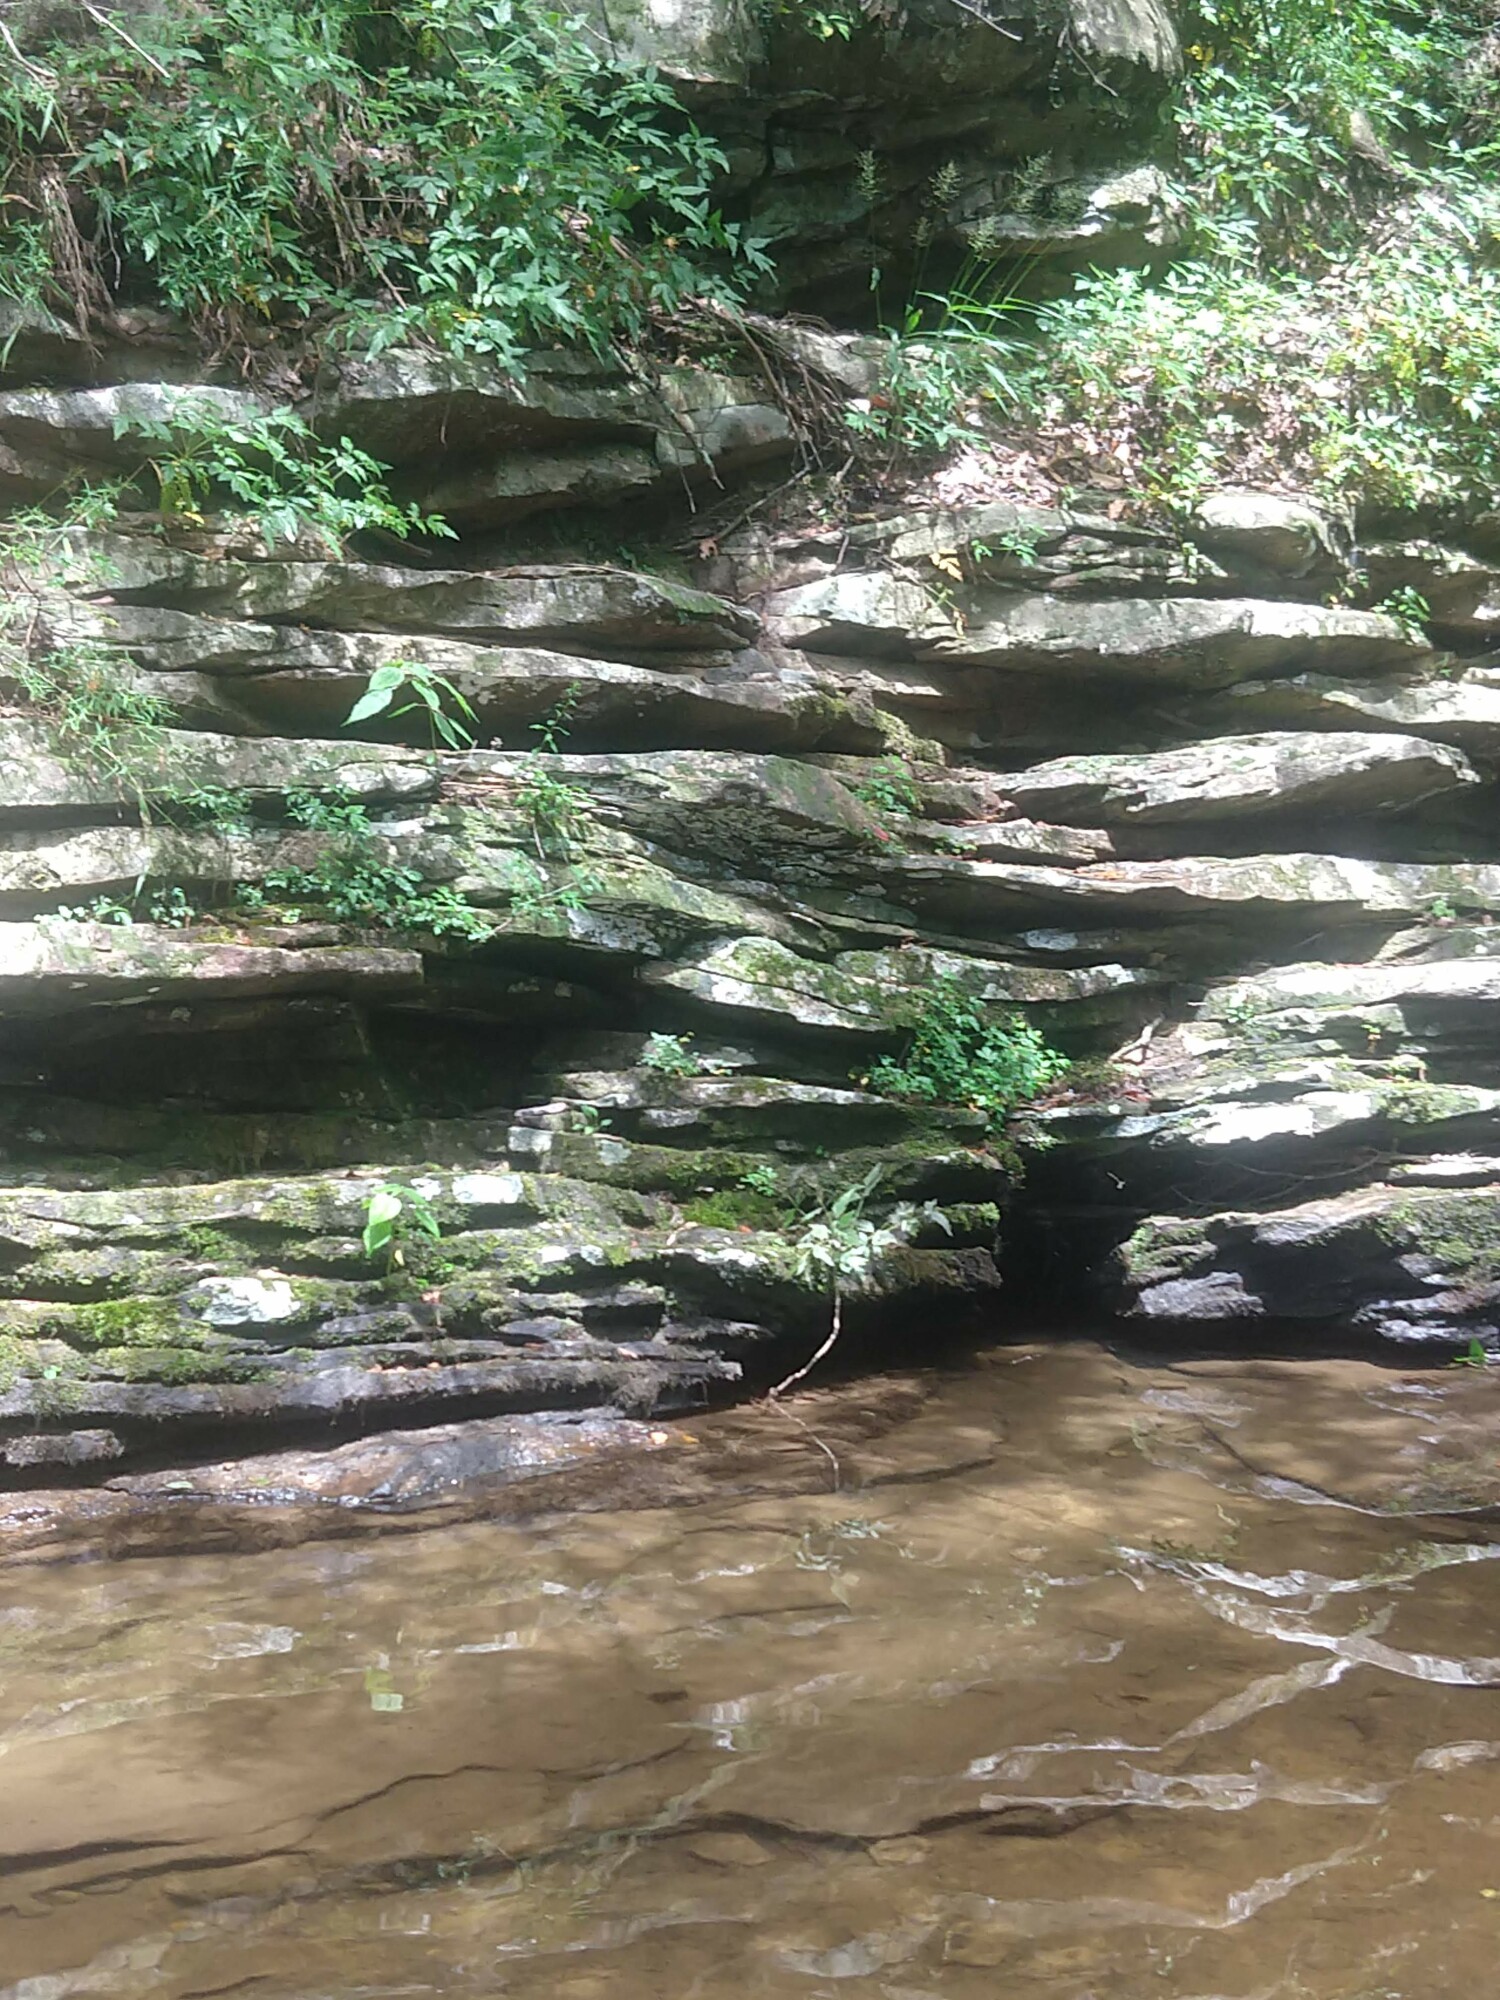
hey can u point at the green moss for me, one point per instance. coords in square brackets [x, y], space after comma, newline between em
[174, 1365]
[212, 1246]
[1459, 1232]
[124, 1323]
[1427, 1103]
[316, 1295]
[971, 1222]
[738, 1208]
[1163, 1249]
[901, 740]
[16, 1359]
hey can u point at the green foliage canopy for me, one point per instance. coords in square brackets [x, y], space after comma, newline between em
[476, 174]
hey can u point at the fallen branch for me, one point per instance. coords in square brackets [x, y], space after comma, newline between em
[33, 70]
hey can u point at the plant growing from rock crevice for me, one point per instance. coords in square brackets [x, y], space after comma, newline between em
[394, 1213]
[274, 468]
[959, 1051]
[670, 1055]
[557, 817]
[355, 880]
[419, 691]
[838, 1245]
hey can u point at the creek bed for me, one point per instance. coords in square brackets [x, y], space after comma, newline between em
[1062, 1673]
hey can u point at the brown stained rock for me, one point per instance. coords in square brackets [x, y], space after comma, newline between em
[401, 1469]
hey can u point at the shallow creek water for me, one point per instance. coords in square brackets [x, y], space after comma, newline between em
[1094, 1677]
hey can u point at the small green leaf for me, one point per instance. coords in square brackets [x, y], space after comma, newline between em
[374, 701]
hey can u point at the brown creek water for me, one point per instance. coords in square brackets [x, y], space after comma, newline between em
[1092, 1678]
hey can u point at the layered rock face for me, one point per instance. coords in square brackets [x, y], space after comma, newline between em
[605, 1064]
[1022, 131]
[1222, 830]
[1284, 934]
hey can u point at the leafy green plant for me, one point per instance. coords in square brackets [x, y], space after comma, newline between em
[172, 906]
[556, 726]
[275, 468]
[1334, 322]
[1410, 610]
[1374, 383]
[557, 814]
[169, 905]
[939, 387]
[471, 173]
[826, 20]
[102, 715]
[889, 789]
[763, 1178]
[556, 810]
[1290, 106]
[216, 807]
[670, 1055]
[960, 1052]
[839, 1245]
[395, 1212]
[355, 880]
[420, 691]
[1021, 544]
[540, 902]
[99, 909]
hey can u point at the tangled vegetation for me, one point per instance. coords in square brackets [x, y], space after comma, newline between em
[475, 174]
[1332, 324]
[959, 1051]
[1328, 321]
[271, 466]
[355, 879]
[839, 1245]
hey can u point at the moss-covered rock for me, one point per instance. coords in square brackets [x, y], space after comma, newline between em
[1405, 1264]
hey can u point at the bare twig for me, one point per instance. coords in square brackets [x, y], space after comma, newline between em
[827, 1450]
[970, 7]
[806, 1369]
[95, 14]
[33, 70]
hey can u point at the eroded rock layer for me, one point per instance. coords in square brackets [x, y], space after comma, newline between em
[1232, 849]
